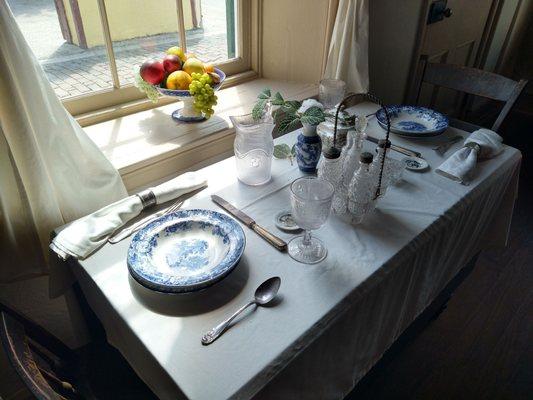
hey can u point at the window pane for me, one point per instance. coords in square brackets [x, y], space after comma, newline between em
[211, 30]
[68, 50]
[141, 29]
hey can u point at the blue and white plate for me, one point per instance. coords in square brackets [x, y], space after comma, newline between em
[413, 121]
[186, 251]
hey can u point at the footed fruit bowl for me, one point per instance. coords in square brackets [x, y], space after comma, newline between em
[188, 113]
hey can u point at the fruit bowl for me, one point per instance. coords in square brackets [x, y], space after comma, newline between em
[188, 113]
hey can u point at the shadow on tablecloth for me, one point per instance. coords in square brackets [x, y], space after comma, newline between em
[194, 303]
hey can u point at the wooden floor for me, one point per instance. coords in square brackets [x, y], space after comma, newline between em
[481, 345]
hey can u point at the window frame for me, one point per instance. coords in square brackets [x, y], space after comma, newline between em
[121, 100]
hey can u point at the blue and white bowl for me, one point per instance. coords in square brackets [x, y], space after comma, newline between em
[185, 251]
[413, 121]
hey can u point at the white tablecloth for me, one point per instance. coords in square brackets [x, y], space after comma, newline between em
[335, 319]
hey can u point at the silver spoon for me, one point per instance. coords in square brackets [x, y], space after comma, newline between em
[264, 294]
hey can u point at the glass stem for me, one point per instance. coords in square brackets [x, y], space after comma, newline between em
[307, 238]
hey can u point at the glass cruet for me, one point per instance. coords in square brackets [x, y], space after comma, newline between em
[362, 190]
[253, 147]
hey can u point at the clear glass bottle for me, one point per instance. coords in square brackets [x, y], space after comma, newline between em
[392, 169]
[346, 149]
[330, 169]
[350, 163]
[340, 199]
[339, 204]
[351, 157]
[362, 190]
[254, 147]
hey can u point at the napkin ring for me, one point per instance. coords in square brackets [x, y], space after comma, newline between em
[474, 146]
[147, 198]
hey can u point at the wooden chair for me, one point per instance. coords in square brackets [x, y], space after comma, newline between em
[50, 370]
[470, 81]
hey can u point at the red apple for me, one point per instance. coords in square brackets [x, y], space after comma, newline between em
[171, 63]
[152, 71]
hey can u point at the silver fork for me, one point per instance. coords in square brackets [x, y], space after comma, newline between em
[124, 233]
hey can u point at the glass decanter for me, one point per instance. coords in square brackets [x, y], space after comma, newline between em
[253, 147]
[362, 190]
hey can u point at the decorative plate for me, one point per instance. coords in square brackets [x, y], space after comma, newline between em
[413, 121]
[415, 163]
[185, 251]
[285, 221]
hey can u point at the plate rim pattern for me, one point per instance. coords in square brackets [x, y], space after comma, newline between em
[197, 215]
[441, 120]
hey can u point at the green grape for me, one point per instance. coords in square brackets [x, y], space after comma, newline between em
[203, 93]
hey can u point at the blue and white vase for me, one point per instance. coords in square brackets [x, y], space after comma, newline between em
[308, 148]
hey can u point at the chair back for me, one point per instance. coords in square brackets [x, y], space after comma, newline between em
[470, 81]
[39, 358]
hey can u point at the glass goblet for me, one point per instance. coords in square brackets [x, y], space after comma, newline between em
[311, 203]
[331, 92]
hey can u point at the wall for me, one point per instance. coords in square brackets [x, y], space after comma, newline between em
[392, 38]
[293, 43]
[500, 33]
[516, 33]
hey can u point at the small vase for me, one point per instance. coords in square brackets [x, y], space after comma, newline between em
[308, 148]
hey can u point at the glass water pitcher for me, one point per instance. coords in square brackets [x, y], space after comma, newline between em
[253, 148]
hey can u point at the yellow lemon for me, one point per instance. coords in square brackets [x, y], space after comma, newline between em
[178, 80]
[177, 51]
[193, 65]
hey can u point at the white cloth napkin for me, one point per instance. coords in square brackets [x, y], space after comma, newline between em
[87, 234]
[460, 165]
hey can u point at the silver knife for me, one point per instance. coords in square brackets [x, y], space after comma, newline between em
[250, 223]
[399, 149]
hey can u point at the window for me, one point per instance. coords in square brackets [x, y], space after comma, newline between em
[91, 49]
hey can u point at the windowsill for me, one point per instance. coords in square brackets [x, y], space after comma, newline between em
[149, 145]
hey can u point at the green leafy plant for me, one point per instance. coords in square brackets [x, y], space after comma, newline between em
[289, 114]
[283, 151]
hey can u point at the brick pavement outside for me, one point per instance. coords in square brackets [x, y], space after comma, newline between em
[89, 71]
[74, 71]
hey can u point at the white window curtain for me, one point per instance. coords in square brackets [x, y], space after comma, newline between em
[348, 50]
[50, 171]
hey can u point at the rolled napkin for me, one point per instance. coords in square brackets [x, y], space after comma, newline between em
[85, 235]
[481, 144]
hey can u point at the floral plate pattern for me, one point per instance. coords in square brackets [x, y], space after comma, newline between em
[413, 121]
[185, 251]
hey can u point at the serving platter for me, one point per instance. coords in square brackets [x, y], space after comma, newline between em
[185, 251]
[413, 121]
